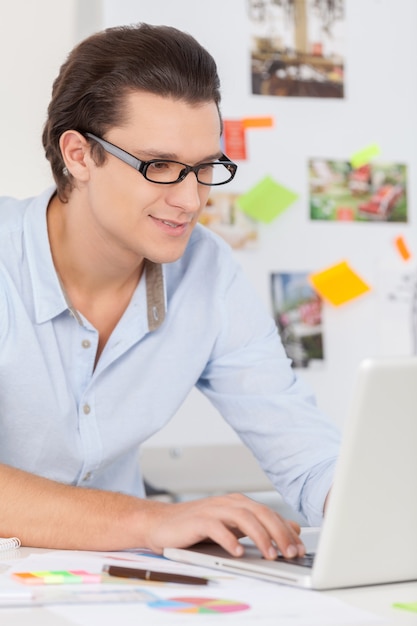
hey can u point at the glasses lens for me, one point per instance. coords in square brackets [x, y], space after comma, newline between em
[171, 172]
[215, 173]
[163, 171]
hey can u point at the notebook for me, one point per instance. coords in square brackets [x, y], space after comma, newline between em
[9, 543]
[369, 534]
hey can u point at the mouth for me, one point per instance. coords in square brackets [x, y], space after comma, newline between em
[170, 226]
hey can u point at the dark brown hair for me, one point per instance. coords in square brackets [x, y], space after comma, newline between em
[89, 92]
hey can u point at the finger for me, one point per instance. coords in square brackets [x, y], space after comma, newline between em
[286, 536]
[219, 533]
[278, 533]
[267, 529]
[295, 547]
[249, 525]
[294, 525]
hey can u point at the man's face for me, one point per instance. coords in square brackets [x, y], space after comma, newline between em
[141, 218]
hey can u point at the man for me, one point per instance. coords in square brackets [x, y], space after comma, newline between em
[114, 304]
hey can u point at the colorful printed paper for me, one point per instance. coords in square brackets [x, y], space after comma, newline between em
[57, 577]
[338, 284]
[266, 200]
[375, 192]
[193, 605]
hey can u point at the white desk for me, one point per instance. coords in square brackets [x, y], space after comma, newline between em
[376, 599]
[379, 600]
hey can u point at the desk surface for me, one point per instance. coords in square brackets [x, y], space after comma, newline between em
[376, 599]
[379, 599]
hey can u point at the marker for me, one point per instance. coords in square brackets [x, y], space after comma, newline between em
[146, 574]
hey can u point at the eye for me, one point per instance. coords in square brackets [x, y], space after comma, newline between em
[160, 166]
[206, 167]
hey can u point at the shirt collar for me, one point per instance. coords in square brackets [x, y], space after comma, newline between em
[49, 298]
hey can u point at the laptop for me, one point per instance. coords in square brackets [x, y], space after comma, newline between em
[369, 534]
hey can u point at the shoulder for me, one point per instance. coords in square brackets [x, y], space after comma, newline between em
[11, 212]
[14, 233]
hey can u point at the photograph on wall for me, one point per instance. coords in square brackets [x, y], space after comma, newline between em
[223, 216]
[376, 192]
[297, 311]
[297, 47]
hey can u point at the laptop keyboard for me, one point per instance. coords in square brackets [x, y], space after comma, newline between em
[305, 561]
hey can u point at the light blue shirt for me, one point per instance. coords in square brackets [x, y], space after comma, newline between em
[64, 419]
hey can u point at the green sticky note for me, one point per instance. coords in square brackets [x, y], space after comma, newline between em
[408, 606]
[362, 157]
[266, 200]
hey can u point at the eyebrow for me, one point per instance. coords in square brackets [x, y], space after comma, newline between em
[172, 156]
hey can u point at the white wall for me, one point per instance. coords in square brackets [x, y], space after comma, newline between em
[35, 38]
[381, 105]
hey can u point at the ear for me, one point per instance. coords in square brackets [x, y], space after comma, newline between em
[76, 154]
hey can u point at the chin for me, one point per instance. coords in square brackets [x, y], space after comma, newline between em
[165, 258]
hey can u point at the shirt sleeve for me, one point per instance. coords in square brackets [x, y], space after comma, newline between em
[4, 314]
[249, 379]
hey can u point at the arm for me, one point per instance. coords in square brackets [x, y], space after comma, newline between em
[250, 381]
[326, 502]
[44, 513]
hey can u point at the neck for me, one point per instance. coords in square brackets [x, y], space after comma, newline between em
[86, 264]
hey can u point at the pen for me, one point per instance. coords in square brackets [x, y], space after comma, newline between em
[146, 574]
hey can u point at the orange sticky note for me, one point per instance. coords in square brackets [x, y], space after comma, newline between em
[402, 248]
[258, 122]
[234, 140]
[338, 284]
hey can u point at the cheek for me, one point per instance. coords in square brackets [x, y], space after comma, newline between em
[124, 192]
[203, 193]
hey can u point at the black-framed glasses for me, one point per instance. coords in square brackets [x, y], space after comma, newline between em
[166, 171]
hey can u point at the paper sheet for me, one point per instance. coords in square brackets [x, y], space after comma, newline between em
[238, 600]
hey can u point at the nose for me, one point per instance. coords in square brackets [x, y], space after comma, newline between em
[187, 194]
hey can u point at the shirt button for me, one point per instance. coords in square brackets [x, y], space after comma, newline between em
[86, 409]
[87, 476]
[86, 343]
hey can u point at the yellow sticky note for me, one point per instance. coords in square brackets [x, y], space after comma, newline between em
[266, 200]
[338, 284]
[362, 157]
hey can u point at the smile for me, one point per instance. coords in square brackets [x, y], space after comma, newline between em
[172, 224]
[169, 227]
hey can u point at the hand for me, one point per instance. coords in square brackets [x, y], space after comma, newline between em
[223, 519]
